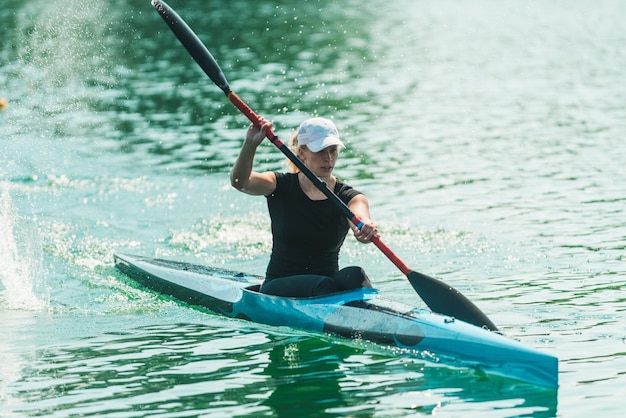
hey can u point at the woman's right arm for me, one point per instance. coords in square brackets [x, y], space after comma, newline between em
[241, 176]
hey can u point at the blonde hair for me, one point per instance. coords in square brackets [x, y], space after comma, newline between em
[293, 146]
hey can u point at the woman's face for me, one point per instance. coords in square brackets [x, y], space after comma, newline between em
[321, 163]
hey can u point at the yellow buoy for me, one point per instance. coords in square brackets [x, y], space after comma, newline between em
[4, 103]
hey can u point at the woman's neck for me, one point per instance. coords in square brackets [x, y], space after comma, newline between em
[311, 190]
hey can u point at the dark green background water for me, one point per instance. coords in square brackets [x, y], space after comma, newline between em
[488, 136]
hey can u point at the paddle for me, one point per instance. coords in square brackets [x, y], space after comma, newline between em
[439, 297]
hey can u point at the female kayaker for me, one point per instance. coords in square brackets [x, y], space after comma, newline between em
[308, 230]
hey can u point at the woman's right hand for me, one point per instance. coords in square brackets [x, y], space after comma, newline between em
[255, 135]
[242, 177]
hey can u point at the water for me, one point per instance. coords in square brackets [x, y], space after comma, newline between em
[488, 136]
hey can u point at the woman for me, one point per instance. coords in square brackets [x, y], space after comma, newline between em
[307, 228]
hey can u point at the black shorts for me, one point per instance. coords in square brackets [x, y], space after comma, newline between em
[308, 285]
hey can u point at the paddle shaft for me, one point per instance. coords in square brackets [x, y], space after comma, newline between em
[439, 296]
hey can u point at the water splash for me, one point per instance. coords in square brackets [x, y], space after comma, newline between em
[21, 271]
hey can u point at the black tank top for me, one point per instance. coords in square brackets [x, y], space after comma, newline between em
[307, 234]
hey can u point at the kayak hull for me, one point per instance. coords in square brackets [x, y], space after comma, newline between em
[356, 314]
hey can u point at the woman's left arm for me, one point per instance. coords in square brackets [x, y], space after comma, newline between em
[359, 205]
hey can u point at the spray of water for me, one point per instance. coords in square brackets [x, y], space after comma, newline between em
[21, 272]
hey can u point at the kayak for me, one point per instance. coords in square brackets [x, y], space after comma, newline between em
[356, 314]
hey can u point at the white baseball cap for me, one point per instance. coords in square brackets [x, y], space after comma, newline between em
[318, 133]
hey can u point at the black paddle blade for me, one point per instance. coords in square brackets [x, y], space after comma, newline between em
[192, 44]
[444, 299]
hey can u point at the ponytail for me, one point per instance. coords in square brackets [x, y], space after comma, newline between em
[294, 148]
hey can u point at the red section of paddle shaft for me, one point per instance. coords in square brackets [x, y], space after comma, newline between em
[391, 256]
[253, 117]
[383, 247]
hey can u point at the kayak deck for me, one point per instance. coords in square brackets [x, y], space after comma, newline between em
[356, 314]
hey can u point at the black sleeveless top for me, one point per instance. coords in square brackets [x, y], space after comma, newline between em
[307, 234]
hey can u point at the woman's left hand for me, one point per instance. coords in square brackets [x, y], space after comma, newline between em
[367, 232]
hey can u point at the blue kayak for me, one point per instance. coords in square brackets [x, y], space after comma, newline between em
[356, 314]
